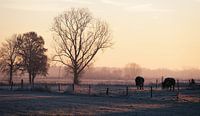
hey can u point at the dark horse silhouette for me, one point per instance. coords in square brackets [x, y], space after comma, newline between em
[139, 82]
[169, 83]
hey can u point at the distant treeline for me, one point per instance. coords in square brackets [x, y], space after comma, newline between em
[107, 73]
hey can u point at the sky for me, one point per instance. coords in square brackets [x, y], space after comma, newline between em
[151, 33]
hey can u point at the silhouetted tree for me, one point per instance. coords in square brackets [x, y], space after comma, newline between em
[79, 37]
[8, 57]
[32, 53]
[132, 70]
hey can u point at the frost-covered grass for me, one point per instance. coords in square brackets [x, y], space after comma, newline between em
[139, 103]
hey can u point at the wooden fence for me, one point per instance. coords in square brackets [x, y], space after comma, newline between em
[93, 89]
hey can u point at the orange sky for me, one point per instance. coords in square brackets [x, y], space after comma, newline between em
[152, 33]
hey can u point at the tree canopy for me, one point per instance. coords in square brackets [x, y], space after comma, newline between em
[8, 57]
[79, 37]
[32, 54]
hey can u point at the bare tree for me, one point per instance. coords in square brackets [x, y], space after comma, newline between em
[132, 70]
[79, 37]
[32, 53]
[8, 57]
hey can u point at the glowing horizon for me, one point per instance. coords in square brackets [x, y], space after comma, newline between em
[153, 34]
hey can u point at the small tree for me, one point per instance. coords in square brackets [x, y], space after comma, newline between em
[79, 37]
[8, 57]
[32, 54]
[132, 70]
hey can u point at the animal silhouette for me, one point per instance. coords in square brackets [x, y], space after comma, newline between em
[169, 83]
[139, 80]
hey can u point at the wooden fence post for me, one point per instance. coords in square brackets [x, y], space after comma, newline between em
[151, 91]
[89, 89]
[156, 83]
[162, 80]
[107, 91]
[126, 90]
[73, 88]
[22, 84]
[177, 96]
[59, 87]
[178, 84]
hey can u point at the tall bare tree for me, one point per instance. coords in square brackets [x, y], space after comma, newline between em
[132, 70]
[8, 57]
[32, 53]
[79, 37]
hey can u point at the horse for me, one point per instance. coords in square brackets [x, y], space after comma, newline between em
[139, 80]
[169, 82]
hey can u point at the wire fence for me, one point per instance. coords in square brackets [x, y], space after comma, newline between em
[150, 90]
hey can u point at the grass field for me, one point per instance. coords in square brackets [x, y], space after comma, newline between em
[139, 103]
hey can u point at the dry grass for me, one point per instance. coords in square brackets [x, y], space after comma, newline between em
[43, 103]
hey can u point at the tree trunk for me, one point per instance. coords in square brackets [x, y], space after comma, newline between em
[76, 78]
[30, 78]
[33, 77]
[11, 74]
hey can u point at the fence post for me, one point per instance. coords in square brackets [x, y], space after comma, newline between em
[73, 88]
[151, 91]
[156, 83]
[89, 89]
[178, 84]
[177, 96]
[126, 90]
[59, 87]
[22, 84]
[107, 91]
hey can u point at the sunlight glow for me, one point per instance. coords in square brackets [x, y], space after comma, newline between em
[154, 34]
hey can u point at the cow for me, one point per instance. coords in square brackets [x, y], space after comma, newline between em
[139, 80]
[169, 83]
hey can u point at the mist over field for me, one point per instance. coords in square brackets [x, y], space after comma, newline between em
[107, 75]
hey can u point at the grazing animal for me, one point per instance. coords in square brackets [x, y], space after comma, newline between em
[139, 82]
[169, 83]
[192, 82]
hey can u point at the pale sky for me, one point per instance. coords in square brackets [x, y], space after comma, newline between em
[151, 33]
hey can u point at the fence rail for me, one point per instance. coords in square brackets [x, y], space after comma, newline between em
[93, 89]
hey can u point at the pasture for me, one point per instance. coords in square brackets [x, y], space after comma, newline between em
[98, 102]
